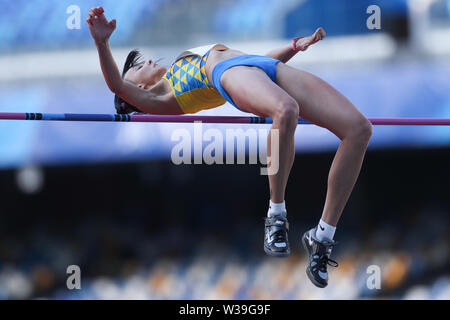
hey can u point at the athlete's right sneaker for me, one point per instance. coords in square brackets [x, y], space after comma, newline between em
[276, 236]
[319, 257]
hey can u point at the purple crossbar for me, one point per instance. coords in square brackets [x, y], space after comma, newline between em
[203, 119]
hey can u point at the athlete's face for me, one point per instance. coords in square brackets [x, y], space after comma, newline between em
[145, 74]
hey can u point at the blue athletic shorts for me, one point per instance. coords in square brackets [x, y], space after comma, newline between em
[267, 64]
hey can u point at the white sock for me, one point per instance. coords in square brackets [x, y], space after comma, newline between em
[325, 231]
[276, 209]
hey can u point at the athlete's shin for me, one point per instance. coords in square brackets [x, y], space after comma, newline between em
[285, 126]
[344, 172]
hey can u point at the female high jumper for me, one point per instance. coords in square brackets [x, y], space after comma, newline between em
[207, 77]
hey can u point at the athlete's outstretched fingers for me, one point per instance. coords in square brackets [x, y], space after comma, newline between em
[99, 10]
[100, 14]
[320, 33]
[92, 13]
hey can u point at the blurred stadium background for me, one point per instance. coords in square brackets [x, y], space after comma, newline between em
[106, 197]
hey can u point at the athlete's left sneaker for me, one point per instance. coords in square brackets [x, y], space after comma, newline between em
[276, 241]
[319, 257]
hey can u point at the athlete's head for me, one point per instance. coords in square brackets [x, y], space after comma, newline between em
[143, 73]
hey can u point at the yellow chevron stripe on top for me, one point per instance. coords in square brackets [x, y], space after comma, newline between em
[188, 80]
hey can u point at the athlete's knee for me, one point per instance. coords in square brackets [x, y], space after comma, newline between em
[287, 113]
[361, 129]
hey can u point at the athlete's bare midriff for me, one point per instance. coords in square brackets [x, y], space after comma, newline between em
[218, 54]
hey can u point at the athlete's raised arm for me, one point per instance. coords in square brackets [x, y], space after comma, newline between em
[284, 54]
[145, 100]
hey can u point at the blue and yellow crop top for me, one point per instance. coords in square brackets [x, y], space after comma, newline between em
[189, 83]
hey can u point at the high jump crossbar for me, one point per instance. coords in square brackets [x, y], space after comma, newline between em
[203, 119]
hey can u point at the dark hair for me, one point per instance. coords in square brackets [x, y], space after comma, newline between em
[123, 107]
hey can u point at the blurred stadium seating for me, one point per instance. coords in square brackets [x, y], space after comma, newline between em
[42, 25]
[126, 262]
[158, 20]
[133, 241]
[210, 271]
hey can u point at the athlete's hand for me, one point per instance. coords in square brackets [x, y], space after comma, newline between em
[99, 26]
[303, 43]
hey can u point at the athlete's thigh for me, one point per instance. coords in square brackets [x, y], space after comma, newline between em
[318, 101]
[253, 91]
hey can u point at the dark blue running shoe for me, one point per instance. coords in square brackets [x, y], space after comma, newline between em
[276, 242]
[319, 258]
